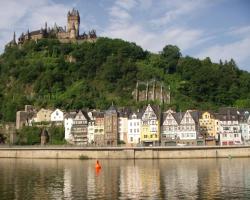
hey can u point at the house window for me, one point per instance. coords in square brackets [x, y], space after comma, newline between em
[131, 139]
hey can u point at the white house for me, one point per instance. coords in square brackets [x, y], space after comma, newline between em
[170, 127]
[245, 126]
[180, 128]
[57, 116]
[68, 122]
[91, 127]
[122, 126]
[134, 128]
[79, 129]
[229, 127]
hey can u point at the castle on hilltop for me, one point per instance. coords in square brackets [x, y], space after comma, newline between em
[69, 34]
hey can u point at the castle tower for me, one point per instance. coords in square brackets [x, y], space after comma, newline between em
[73, 21]
[73, 33]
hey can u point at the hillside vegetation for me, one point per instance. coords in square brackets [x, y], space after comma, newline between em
[48, 73]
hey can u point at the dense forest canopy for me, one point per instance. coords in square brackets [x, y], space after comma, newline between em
[48, 73]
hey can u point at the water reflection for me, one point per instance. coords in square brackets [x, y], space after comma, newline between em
[125, 179]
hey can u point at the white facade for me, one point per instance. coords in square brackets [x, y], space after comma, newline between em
[57, 116]
[91, 132]
[245, 128]
[123, 128]
[187, 128]
[134, 129]
[170, 126]
[245, 131]
[68, 122]
[230, 132]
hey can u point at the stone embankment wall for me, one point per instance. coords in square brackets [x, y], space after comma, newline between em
[124, 153]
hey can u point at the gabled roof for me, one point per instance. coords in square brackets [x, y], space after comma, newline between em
[178, 116]
[82, 112]
[138, 115]
[227, 117]
[165, 114]
[195, 115]
[112, 110]
[228, 111]
[71, 114]
[155, 109]
[86, 115]
[124, 111]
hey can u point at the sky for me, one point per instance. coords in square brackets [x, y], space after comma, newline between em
[219, 29]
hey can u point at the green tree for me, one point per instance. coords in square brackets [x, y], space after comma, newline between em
[29, 135]
[171, 55]
[56, 134]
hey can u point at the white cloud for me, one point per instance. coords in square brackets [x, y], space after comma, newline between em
[124, 27]
[238, 50]
[126, 4]
[240, 31]
[182, 37]
[145, 4]
[176, 9]
[118, 13]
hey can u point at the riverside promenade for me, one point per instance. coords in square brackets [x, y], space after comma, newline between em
[65, 152]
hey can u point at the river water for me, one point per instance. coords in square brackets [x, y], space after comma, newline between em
[125, 179]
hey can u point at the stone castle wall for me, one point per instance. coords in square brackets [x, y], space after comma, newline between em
[151, 91]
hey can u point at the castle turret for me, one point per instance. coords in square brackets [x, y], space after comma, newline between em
[27, 36]
[14, 38]
[73, 18]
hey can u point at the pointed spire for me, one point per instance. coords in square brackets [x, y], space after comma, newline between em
[14, 37]
[45, 26]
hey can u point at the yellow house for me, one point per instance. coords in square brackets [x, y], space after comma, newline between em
[150, 127]
[43, 115]
[209, 125]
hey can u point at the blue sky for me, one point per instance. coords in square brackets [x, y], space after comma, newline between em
[200, 28]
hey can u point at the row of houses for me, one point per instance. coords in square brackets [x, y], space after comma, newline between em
[148, 126]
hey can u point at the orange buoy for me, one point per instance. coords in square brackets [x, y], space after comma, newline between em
[97, 165]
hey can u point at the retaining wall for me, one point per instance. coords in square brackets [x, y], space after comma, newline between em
[124, 153]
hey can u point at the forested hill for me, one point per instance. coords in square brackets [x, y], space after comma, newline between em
[92, 75]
